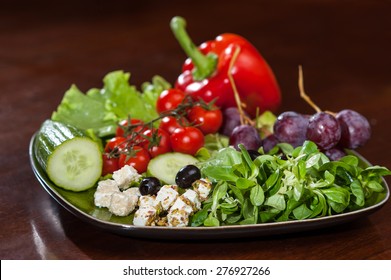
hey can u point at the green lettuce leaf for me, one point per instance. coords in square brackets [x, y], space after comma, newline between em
[85, 113]
[102, 109]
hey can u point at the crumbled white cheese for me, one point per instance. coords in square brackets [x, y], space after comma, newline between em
[167, 196]
[133, 191]
[133, 194]
[145, 216]
[119, 203]
[104, 191]
[203, 188]
[147, 213]
[146, 201]
[183, 207]
[180, 204]
[191, 197]
[167, 208]
[122, 204]
[178, 218]
[125, 176]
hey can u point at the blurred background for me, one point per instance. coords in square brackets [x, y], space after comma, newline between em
[342, 45]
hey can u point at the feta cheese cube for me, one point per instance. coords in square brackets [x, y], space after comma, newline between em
[145, 216]
[133, 194]
[122, 204]
[146, 201]
[167, 196]
[102, 195]
[203, 188]
[178, 218]
[133, 191]
[125, 176]
[192, 198]
[180, 204]
[183, 207]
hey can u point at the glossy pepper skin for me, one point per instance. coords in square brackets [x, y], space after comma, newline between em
[254, 79]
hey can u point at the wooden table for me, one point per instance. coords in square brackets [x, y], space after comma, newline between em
[344, 47]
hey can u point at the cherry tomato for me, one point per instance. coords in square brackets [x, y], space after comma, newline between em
[125, 123]
[187, 140]
[170, 123]
[115, 142]
[139, 161]
[169, 99]
[164, 145]
[110, 164]
[208, 121]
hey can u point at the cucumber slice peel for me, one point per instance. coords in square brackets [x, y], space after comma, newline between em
[72, 160]
[76, 164]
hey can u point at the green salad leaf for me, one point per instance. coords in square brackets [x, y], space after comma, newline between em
[81, 111]
[265, 122]
[102, 109]
[294, 184]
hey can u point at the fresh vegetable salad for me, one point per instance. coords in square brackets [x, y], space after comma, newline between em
[208, 150]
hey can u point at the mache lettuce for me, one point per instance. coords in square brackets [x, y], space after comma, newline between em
[301, 183]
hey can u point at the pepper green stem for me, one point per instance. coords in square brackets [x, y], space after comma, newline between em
[204, 65]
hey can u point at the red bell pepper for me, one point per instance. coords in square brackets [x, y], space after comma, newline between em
[205, 72]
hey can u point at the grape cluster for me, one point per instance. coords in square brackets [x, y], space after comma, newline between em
[331, 132]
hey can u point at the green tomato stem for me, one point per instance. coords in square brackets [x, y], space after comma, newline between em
[205, 65]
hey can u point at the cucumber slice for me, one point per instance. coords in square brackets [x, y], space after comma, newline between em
[71, 160]
[166, 166]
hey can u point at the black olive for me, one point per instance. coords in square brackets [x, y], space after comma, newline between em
[149, 185]
[253, 154]
[187, 176]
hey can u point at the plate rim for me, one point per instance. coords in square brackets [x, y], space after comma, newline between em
[231, 231]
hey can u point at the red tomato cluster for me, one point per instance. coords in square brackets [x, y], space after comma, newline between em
[208, 120]
[187, 132]
[116, 159]
[184, 134]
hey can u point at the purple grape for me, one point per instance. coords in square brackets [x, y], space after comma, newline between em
[246, 135]
[355, 129]
[335, 154]
[323, 129]
[231, 119]
[291, 127]
[269, 143]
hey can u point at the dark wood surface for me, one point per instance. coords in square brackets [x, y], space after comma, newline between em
[344, 47]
